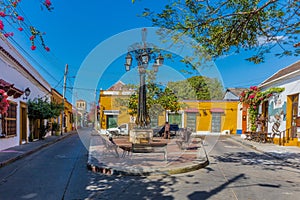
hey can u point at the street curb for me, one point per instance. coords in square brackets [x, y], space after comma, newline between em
[256, 149]
[139, 172]
[7, 162]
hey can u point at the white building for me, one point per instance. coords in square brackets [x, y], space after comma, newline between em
[16, 74]
[283, 110]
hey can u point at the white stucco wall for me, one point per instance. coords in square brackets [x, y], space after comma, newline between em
[292, 86]
[21, 77]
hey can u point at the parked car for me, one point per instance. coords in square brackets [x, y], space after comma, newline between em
[173, 130]
[120, 130]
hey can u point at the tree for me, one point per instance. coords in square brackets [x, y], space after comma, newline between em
[226, 26]
[197, 87]
[168, 100]
[158, 99]
[10, 12]
[39, 109]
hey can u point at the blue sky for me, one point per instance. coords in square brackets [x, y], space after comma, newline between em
[75, 28]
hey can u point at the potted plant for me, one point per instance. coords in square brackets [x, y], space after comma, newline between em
[55, 128]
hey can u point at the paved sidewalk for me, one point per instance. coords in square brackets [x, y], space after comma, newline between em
[288, 153]
[104, 160]
[12, 154]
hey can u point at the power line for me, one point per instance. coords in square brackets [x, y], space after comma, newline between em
[27, 33]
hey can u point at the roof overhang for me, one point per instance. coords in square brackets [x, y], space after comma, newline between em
[10, 89]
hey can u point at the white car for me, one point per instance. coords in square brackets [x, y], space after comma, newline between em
[120, 130]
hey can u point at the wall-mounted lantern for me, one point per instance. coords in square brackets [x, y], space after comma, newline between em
[26, 93]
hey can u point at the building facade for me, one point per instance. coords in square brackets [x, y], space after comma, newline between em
[22, 82]
[283, 110]
[203, 117]
[19, 74]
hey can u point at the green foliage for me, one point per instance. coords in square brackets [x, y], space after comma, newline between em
[168, 100]
[198, 87]
[55, 127]
[42, 109]
[223, 27]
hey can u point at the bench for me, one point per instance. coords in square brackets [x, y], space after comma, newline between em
[150, 148]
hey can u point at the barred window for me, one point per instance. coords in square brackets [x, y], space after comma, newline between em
[10, 120]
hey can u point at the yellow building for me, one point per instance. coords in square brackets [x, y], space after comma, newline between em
[201, 116]
[112, 113]
[66, 124]
[210, 116]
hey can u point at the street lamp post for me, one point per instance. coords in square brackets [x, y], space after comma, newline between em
[143, 54]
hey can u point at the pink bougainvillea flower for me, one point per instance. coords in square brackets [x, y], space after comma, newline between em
[20, 18]
[252, 96]
[47, 48]
[33, 47]
[32, 37]
[1, 25]
[253, 88]
[48, 3]
[2, 14]
[4, 104]
[20, 29]
[8, 34]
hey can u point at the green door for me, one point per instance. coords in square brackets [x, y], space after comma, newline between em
[112, 121]
[175, 119]
[191, 121]
[216, 122]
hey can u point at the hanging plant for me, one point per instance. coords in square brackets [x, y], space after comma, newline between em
[254, 97]
[3, 102]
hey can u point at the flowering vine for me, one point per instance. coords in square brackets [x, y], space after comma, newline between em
[3, 102]
[253, 97]
[10, 14]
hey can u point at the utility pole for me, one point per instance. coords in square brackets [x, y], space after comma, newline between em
[63, 101]
[96, 121]
[76, 113]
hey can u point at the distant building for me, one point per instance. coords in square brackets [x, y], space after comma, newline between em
[111, 112]
[81, 105]
[233, 94]
[81, 114]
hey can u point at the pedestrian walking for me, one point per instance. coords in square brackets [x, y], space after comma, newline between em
[167, 131]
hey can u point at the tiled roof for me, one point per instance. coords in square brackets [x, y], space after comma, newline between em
[236, 91]
[10, 89]
[117, 86]
[285, 71]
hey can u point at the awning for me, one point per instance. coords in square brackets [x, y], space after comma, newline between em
[217, 110]
[192, 110]
[10, 89]
[111, 112]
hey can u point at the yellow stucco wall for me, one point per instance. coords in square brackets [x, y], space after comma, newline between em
[109, 102]
[203, 117]
[68, 113]
[57, 98]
